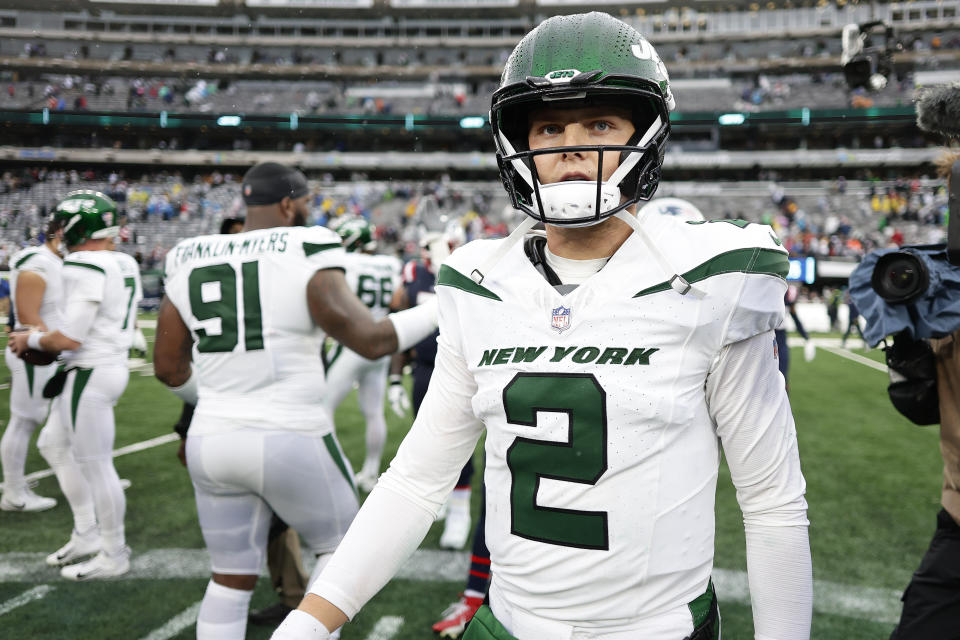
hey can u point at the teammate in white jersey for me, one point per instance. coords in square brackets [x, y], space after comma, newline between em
[36, 296]
[101, 292]
[607, 365]
[374, 278]
[251, 311]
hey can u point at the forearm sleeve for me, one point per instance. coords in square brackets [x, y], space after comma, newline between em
[749, 405]
[397, 514]
[78, 319]
[781, 581]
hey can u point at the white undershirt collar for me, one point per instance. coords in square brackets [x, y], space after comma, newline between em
[573, 271]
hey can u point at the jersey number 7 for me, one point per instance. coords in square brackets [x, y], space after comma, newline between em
[213, 294]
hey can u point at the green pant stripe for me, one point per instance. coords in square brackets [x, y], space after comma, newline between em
[337, 456]
[29, 368]
[485, 626]
[79, 382]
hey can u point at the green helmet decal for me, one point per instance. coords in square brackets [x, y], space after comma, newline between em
[355, 233]
[582, 60]
[85, 215]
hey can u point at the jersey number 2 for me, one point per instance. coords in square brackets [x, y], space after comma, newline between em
[225, 308]
[582, 458]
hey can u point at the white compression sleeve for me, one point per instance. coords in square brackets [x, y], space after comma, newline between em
[749, 404]
[781, 581]
[78, 319]
[364, 563]
[188, 390]
[300, 625]
[408, 496]
[415, 324]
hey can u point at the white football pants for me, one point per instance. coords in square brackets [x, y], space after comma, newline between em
[28, 408]
[77, 441]
[371, 378]
[242, 476]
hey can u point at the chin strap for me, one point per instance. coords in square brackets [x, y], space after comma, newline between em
[677, 283]
[478, 274]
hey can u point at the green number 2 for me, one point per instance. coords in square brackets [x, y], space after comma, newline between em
[226, 307]
[582, 458]
[372, 296]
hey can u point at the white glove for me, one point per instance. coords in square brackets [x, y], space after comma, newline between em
[809, 350]
[139, 341]
[399, 401]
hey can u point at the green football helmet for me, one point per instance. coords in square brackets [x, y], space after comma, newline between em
[355, 233]
[582, 60]
[85, 215]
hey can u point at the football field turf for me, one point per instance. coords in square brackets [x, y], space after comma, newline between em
[873, 485]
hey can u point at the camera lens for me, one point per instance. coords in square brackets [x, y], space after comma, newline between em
[900, 277]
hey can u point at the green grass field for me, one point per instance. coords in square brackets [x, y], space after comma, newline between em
[873, 485]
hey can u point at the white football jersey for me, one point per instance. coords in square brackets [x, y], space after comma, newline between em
[374, 278]
[601, 450]
[48, 265]
[256, 348]
[112, 280]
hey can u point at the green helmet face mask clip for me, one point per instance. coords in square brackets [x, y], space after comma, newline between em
[585, 60]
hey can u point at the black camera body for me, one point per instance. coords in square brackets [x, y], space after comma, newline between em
[913, 293]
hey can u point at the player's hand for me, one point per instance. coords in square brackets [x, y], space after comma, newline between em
[18, 342]
[809, 350]
[399, 401]
[182, 451]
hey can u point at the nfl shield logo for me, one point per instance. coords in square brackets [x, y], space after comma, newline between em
[560, 319]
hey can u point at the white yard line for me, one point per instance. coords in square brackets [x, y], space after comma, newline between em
[25, 598]
[386, 628]
[176, 624]
[122, 451]
[849, 355]
[852, 601]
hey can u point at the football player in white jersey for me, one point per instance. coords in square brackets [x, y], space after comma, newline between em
[608, 367]
[374, 278]
[36, 296]
[101, 292]
[239, 334]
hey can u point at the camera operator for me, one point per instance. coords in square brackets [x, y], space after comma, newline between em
[931, 602]
[913, 294]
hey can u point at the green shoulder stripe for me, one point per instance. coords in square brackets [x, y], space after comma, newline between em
[84, 265]
[22, 261]
[450, 277]
[309, 248]
[755, 260]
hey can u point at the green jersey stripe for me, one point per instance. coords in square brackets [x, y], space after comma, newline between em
[309, 248]
[450, 277]
[760, 261]
[24, 259]
[84, 265]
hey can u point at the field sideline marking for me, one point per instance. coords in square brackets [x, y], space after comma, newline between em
[386, 628]
[176, 624]
[122, 451]
[852, 601]
[849, 355]
[25, 598]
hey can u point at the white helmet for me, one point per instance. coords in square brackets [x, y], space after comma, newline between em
[682, 210]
